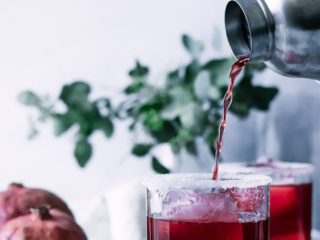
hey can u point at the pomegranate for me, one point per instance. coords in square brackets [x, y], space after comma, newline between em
[18, 200]
[42, 224]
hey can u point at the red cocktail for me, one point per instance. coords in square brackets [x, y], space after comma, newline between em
[290, 197]
[290, 212]
[192, 230]
[193, 207]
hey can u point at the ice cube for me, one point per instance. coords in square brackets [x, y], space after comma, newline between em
[197, 205]
[250, 202]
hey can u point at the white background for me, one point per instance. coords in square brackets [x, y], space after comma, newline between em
[45, 44]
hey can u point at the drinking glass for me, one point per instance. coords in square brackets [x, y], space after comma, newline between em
[290, 196]
[194, 207]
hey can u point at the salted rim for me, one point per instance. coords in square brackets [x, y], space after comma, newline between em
[296, 169]
[203, 181]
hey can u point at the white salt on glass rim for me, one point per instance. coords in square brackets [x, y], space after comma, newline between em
[280, 172]
[204, 181]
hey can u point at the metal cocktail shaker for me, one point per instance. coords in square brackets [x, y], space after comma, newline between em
[283, 33]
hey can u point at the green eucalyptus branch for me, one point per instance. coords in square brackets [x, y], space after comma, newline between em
[188, 106]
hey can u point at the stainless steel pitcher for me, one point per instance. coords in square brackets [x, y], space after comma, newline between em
[283, 33]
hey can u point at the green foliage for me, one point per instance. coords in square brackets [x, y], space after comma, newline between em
[186, 107]
[195, 48]
[134, 87]
[88, 116]
[61, 123]
[28, 98]
[83, 151]
[141, 150]
[158, 167]
[139, 71]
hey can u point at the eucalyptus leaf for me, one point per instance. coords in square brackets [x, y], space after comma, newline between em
[105, 124]
[241, 109]
[29, 98]
[180, 98]
[141, 150]
[202, 85]
[195, 48]
[185, 135]
[153, 120]
[174, 78]
[247, 96]
[188, 115]
[61, 123]
[219, 70]
[175, 145]
[134, 87]
[191, 148]
[214, 93]
[158, 167]
[76, 95]
[83, 152]
[86, 127]
[183, 138]
[191, 72]
[183, 107]
[156, 102]
[165, 133]
[139, 71]
[204, 89]
[263, 97]
[88, 119]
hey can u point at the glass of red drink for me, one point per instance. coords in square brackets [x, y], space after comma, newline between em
[290, 196]
[194, 207]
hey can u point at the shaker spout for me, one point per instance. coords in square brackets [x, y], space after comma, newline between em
[283, 33]
[249, 29]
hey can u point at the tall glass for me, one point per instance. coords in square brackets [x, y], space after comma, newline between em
[194, 207]
[290, 196]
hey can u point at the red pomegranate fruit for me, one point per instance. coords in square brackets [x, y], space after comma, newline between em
[42, 224]
[18, 200]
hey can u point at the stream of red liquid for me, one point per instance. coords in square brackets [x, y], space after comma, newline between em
[235, 71]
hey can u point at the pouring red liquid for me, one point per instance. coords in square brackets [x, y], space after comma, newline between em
[234, 73]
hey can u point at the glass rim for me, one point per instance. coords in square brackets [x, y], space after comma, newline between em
[295, 168]
[204, 181]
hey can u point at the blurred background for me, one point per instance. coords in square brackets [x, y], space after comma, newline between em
[46, 44]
